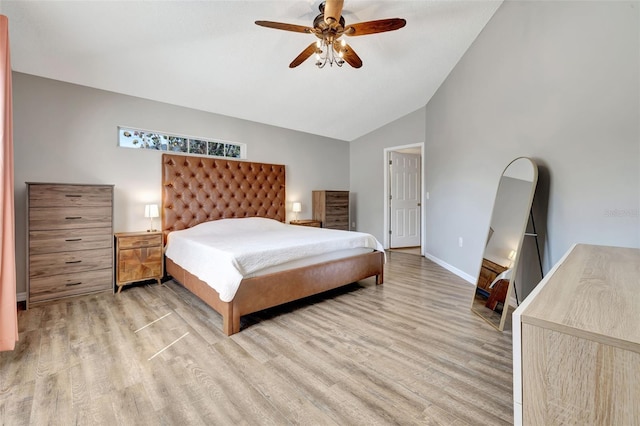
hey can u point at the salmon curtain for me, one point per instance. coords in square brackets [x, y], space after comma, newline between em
[8, 302]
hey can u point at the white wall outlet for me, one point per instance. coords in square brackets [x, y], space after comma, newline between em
[460, 242]
[427, 195]
[353, 225]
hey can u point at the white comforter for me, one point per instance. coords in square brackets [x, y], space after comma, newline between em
[224, 251]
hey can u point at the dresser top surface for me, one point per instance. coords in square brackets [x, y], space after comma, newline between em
[69, 184]
[594, 293]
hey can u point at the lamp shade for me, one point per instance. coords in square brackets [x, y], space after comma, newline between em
[296, 207]
[151, 210]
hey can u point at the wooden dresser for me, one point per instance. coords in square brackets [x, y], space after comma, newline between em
[576, 341]
[69, 240]
[331, 208]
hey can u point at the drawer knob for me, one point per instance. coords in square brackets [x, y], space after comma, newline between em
[73, 261]
[72, 284]
[73, 217]
[73, 239]
[72, 195]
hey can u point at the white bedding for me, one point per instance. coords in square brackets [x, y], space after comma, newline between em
[223, 252]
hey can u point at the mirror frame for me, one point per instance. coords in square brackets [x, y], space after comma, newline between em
[516, 260]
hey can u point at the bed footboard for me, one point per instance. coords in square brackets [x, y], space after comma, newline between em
[266, 291]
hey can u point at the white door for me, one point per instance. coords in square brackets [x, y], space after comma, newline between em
[405, 200]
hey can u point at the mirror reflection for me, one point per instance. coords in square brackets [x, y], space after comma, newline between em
[504, 241]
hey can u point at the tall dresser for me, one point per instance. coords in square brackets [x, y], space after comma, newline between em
[331, 208]
[69, 240]
[576, 341]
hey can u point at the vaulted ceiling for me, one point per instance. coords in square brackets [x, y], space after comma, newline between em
[209, 55]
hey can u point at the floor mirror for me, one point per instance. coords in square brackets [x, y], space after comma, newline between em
[492, 297]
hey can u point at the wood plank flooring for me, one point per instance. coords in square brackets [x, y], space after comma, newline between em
[407, 352]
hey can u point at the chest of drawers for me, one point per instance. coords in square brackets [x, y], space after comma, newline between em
[331, 208]
[70, 240]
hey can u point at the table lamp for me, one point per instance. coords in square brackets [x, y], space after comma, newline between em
[297, 208]
[151, 211]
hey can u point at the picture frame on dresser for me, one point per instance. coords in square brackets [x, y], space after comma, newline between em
[69, 240]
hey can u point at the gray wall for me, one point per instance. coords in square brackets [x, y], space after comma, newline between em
[367, 169]
[554, 81]
[68, 133]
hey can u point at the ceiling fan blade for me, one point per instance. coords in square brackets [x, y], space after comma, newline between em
[304, 55]
[286, 27]
[333, 10]
[348, 54]
[373, 27]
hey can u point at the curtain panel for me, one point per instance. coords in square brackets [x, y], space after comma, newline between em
[8, 302]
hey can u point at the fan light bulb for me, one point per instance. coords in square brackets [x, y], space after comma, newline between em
[333, 53]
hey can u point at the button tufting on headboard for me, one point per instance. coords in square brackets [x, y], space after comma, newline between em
[199, 189]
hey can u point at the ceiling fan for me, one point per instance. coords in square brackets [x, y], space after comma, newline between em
[329, 26]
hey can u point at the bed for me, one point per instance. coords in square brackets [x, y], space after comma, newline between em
[196, 190]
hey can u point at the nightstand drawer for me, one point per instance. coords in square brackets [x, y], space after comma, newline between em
[69, 240]
[55, 195]
[70, 262]
[139, 264]
[137, 241]
[65, 285]
[307, 222]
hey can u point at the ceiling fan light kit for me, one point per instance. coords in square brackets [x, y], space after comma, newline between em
[329, 26]
[332, 53]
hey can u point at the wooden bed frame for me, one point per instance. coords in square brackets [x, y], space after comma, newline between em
[200, 189]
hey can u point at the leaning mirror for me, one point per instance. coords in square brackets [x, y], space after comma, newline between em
[509, 218]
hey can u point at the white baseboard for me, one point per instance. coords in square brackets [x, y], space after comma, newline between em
[512, 301]
[471, 280]
[21, 297]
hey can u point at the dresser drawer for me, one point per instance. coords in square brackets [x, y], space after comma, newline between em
[139, 241]
[69, 240]
[53, 195]
[69, 262]
[336, 223]
[69, 218]
[337, 199]
[65, 285]
[338, 210]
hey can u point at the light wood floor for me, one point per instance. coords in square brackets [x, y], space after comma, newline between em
[408, 250]
[406, 352]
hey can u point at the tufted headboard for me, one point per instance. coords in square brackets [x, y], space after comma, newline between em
[200, 189]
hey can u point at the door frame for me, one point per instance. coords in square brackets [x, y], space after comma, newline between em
[387, 181]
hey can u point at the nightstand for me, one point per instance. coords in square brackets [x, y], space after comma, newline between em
[306, 222]
[138, 257]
